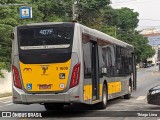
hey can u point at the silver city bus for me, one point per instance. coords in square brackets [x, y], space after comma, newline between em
[60, 63]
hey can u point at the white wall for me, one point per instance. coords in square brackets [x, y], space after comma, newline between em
[6, 83]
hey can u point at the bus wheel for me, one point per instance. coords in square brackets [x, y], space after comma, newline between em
[103, 103]
[128, 96]
[54, 106]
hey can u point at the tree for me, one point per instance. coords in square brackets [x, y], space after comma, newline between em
[142, 49]
[7, 21]
[91, 12]
[122, 23]
[57, 10]
[9, 18]
[126, 19]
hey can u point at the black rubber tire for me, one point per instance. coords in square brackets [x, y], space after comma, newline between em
[53, 106]
[128, 96]
[103, 103]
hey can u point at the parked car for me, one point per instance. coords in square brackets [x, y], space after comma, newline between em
[153, 96]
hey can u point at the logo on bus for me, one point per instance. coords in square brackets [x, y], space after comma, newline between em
[27, 70]
[44, 69]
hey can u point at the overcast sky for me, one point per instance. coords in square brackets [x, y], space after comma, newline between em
[147, 9]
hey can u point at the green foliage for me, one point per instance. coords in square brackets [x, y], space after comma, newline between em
[7, 22]
[110, 30]
[142, 49]
[5, 45]
[91, 12]
[57, 10]
[121, 23]
[2, 67]
[9, 18]
[126, 19]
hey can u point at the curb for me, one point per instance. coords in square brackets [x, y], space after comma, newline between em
[4, 98]
[5, 95]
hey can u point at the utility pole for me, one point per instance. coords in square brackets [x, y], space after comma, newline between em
[75, 9]
[159, 58]
[115, 31]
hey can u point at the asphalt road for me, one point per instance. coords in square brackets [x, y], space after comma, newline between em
[147, 78]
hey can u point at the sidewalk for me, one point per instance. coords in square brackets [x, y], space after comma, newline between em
[5, 95]
[4, 98]
[6, 84]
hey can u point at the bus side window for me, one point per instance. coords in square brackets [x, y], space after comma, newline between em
[87, 60]
[101, 61]
[118, 60]
[105, 61]
[109, 59]
[123, 62]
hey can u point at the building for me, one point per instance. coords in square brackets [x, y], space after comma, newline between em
[153, 36]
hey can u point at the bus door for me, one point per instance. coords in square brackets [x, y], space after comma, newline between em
[95, 71]
[134, 71]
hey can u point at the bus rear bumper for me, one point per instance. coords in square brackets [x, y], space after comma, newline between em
[71, 96]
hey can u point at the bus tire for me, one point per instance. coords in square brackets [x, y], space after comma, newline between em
[128, 96]
[103, 103]
[55, 106]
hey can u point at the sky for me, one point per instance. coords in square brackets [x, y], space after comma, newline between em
[149, 11]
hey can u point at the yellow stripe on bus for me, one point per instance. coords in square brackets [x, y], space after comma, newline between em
[114, 87]
[88, 92]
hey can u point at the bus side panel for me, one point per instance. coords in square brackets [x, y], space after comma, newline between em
[117, 86]
[36, 77]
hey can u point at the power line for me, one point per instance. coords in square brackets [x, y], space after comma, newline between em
[131, 1]
[149, 19]
[149, 26]
[123, 2]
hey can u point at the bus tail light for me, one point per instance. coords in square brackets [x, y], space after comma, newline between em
[75, 75]
[16, 78]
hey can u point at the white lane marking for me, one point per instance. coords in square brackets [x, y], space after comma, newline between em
[3, 98]
[141, 98]
[5, 101]
[8, 104]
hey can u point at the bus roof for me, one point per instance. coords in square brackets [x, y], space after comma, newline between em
[104, 36]
[45, 23]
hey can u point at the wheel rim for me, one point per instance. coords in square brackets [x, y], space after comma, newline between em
[129, 89]
[104, 97]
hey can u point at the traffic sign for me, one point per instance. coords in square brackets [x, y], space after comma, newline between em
[25, 12]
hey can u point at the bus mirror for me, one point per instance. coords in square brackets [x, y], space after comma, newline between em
[104, 70]
[12, 35]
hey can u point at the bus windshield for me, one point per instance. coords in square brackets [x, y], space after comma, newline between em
[45, 37]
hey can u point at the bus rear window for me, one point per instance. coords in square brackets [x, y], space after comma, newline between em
[45, 37]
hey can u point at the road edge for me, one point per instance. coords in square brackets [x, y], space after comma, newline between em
[5, 95]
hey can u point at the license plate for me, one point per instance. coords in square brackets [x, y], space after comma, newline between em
[44, 87]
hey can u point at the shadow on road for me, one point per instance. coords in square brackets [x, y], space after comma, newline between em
[82, 110]
[154, 108]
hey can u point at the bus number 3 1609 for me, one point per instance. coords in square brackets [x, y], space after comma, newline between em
[62, 68]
